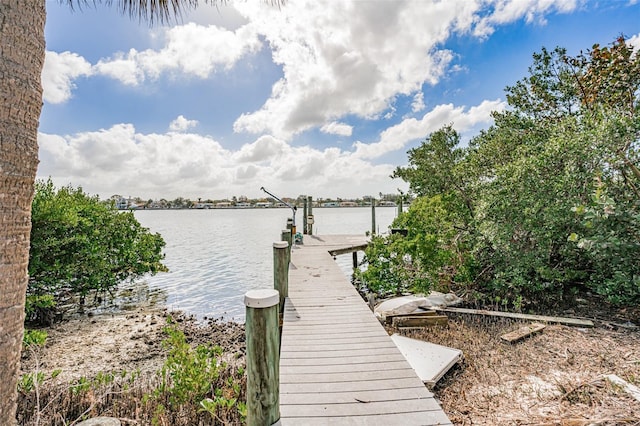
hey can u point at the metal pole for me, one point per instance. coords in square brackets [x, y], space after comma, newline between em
[293, 208]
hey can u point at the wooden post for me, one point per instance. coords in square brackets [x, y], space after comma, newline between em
[281, 270]
[373, 216]
[263, 357]
[286, 236]
[310, 213]
[304, 217]
[355, 259]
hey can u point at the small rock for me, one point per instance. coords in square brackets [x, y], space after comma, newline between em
[101, 421]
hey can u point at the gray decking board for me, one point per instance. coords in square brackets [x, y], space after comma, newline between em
[338, 365]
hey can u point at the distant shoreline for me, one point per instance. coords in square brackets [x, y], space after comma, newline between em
[248, 208]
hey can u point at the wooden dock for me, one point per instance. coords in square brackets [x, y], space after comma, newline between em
[338, 365]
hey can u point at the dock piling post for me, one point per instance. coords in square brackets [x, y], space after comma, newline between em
[281, 270]
[310, 213]
[286, 236]
[263, 357]
[304, 217]
[373, 216]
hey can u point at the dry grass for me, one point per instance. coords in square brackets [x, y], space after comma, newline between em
[553, 378]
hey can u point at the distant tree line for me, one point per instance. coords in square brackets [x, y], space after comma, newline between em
[541, 206]
[186, 203]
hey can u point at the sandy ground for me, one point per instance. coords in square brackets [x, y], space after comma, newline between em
[83, 347]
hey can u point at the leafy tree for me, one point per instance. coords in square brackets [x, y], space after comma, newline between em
[544, 201]
[80, 245]
[435, 166]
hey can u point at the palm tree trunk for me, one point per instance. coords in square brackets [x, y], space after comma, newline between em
[22, 49]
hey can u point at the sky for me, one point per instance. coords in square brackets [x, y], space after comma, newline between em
[315, 97]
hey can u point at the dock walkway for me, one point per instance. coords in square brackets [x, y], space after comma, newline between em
[338, 365]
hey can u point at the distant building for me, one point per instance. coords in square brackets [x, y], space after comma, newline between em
[122, 203]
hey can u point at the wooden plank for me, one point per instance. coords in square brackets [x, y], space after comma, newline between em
[390, 317]
[372, 336]
[344, 335]
[346, 397]
[346, 250]
[416, 418]
[343, 368]
[337, 354]
[302, 327]
[361, 376]
[340, 346]
[420, 321]
[529, 317]
[316, 388]
[522, 332]
[359, 408]
[329, 361]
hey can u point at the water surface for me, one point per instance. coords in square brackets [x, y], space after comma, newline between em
[215, 256]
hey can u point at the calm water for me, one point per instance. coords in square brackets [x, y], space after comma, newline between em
[215, 256]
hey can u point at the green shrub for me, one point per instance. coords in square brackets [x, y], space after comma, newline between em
[80, 245]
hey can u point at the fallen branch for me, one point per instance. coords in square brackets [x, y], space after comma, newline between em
[632, 390]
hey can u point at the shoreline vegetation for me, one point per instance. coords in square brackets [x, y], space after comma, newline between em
[144, 367]
[147, 366]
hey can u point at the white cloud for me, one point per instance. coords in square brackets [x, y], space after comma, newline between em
[635, 42]
[505, 12]
[191, 49]
[121, 160]
[60, 69]
[339, 58]
[348, 57]
[355, 57]
[336, 128]
[181, 124]
[418, 102]
[396, 137]
[264, 149]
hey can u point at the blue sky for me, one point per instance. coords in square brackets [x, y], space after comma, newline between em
[316, 97]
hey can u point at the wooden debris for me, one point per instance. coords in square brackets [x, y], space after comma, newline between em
[543, 318]
[632, 390]
[389, 317]
[523, 332]
[350, 249]
[418, 320]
